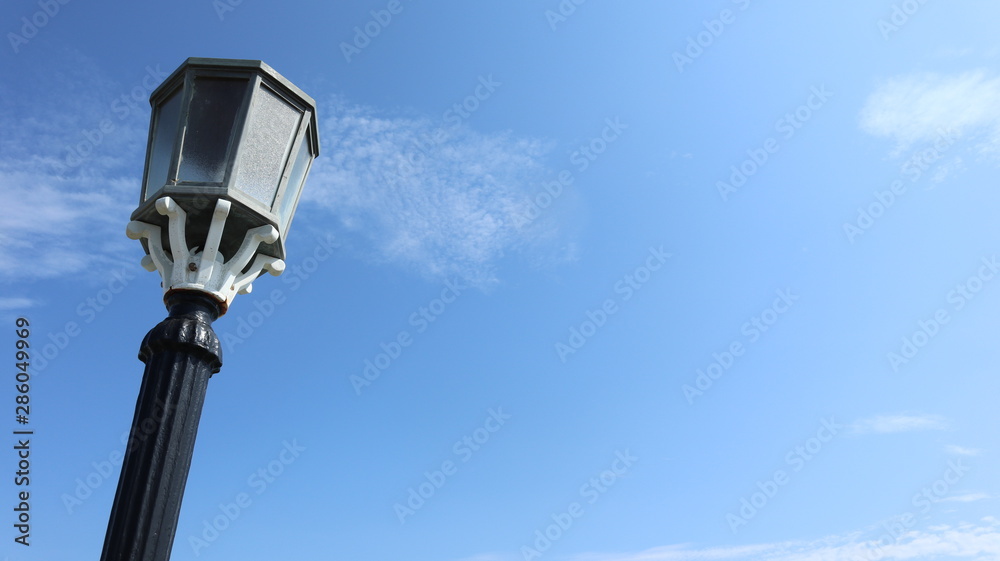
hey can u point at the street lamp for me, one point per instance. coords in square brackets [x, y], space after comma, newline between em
[230, 146]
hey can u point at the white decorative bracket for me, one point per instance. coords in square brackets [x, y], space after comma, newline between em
[205, 270]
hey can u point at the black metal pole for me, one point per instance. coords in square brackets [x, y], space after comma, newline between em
[181, 354]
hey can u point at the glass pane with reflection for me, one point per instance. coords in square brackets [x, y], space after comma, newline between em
[165, 132]
[209, 128]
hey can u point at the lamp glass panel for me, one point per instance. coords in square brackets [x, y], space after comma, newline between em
[164, 134]
[300, 168]
[264, 152]
[209, 128]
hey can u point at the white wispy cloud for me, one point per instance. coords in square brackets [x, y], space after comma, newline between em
[945, 169]
[962, 451]
[967, 498]
[16, 303]
[915, 108]
[67, 187]
[442, 200]
[980, 542]
[899, 423]
[52, 227]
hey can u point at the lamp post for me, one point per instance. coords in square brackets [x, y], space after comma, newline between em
[230, 146]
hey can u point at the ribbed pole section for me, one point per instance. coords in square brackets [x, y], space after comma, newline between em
[181, 354]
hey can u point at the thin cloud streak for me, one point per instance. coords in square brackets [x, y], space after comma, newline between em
[8, 304]
[967, 498]
[962, 451]
[964, 541]
[885, 424]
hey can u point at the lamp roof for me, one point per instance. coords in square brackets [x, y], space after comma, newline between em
[258, 66]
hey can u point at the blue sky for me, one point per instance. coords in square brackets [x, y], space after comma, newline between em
[576, 280]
